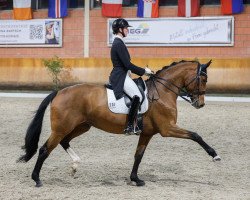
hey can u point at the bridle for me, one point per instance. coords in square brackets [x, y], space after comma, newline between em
[182, 91]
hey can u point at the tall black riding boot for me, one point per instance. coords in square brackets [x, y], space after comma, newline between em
[132, 116]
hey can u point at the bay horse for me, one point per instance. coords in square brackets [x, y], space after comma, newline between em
[76, 108]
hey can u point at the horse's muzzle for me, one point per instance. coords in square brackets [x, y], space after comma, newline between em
[196, 103]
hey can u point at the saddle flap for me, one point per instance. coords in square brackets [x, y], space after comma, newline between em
[141, 86]
[119, 106]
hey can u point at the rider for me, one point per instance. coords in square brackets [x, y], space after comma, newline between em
[120, 75]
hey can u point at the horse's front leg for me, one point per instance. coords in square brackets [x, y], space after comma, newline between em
[181, 133]
[142, 145]
[195, 137]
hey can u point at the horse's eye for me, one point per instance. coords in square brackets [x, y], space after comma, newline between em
[204, 80]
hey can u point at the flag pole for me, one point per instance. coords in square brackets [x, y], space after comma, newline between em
[86, 28]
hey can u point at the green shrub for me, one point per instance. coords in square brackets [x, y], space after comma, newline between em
[54, 66]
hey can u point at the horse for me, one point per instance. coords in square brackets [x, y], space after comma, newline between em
[75, 109]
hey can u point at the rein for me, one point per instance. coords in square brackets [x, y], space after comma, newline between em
[200, 73]
[157, 79]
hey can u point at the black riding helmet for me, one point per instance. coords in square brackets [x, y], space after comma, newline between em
[119, 23]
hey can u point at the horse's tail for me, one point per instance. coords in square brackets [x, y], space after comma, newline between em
[34, 130]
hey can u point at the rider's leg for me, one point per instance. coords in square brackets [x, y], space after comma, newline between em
[131, 89]
[131, 127]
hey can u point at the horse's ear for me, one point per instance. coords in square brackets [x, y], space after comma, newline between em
[209, 62]
[205, 66]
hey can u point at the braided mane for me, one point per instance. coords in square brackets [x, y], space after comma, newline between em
[173, 64]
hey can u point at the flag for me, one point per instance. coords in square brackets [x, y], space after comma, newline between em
[148, 8]
[22, 9]
[57, 8]
[231, 6]
[188, 8]
[112, 8]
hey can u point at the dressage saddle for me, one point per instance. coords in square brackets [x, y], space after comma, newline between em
[141, 86]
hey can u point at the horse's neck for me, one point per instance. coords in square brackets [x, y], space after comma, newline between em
[170, 78]
[174, 76]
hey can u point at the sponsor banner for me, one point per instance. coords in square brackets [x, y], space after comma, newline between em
[37, 32]
[198, 31]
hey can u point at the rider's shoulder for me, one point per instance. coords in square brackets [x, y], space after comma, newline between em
[117, 42]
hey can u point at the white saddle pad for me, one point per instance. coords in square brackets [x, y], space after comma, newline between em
[119, 106]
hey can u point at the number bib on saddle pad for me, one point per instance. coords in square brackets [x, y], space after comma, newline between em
[122, 105]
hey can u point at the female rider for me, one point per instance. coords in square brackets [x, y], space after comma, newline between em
[120, 75]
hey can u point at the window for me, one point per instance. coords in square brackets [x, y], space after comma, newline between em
[41, 4]
[168, 2]
[210, 2]
[75, 3]
[129, 3]
[97, 3]
[6, 4]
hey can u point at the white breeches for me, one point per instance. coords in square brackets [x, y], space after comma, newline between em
[130, 88]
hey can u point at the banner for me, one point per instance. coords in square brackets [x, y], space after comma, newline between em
[36, 32]
[178, 31]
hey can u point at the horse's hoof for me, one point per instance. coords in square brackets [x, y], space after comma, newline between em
[73, 172]
[140, 183]
[39, 184]
[137, 182]
[216, 158]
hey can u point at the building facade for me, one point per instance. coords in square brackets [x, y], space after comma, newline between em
[20, 66]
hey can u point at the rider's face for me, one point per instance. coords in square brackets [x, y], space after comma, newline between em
[125, 30]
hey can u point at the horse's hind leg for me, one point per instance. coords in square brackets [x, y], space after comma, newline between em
[181, 133]
[44, 152]
[65, 144]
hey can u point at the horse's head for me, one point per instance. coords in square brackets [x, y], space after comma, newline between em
[196, 86]
[185, 78]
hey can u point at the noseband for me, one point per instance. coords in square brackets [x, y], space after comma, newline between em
[184, 92]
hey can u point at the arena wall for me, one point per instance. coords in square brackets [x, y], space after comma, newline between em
[225, 75]
[22, 67]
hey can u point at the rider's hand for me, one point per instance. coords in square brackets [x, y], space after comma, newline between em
[148, 72]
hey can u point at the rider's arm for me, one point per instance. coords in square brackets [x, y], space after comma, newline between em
[125, 59]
